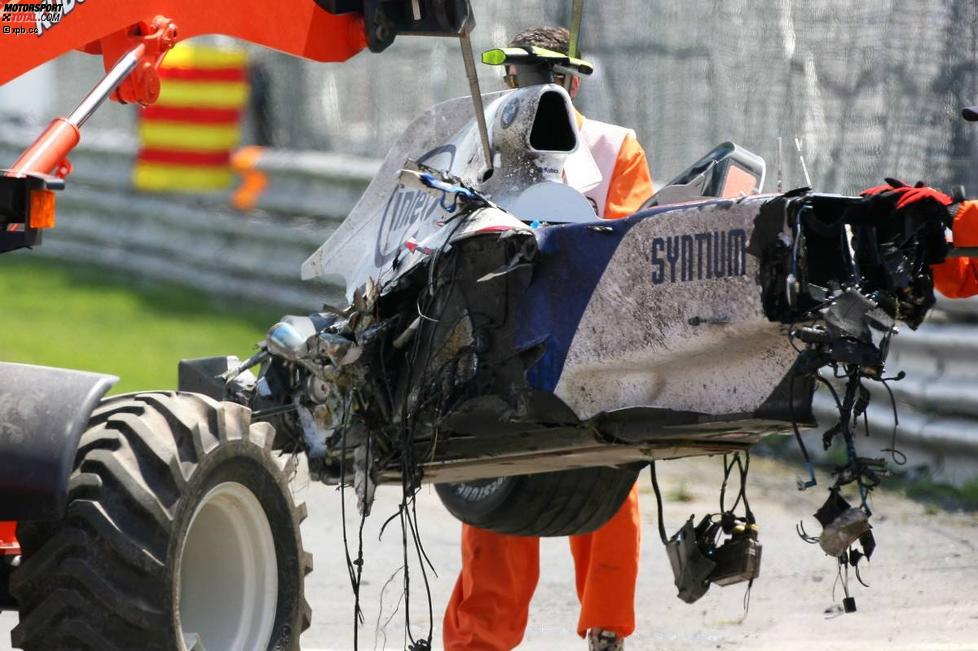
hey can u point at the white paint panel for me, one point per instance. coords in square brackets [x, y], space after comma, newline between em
[635, 345]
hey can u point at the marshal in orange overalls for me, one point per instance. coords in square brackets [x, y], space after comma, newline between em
[958, 277]
[489, 606]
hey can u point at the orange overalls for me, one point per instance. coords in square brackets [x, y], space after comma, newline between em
[489, 606]
[958, 277]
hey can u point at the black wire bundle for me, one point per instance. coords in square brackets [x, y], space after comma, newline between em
[401, 439]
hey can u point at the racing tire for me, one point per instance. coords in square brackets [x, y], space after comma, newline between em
[181, 533]
[563, 503]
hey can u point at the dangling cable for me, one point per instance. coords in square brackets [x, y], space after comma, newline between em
[835, 611]
[804, 535]
[835, 394]
[898, 457]
[750, 584]
[802, 485]
[422, 558]
[380, 630]
[845, 579]
[744, 469]
[363, 520]
[419, 359]
[658, 503]
[351, 565]
[859, 576]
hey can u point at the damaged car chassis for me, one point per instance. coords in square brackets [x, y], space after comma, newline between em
[585, 350]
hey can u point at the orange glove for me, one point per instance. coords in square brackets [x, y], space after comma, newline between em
[919, 211]
[906, 195]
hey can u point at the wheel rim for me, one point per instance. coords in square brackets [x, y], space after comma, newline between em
[227, 573]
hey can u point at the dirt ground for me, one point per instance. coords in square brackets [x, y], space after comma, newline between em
[922, 577]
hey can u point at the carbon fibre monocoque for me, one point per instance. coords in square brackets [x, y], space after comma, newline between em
[670, 328]
[644, 329]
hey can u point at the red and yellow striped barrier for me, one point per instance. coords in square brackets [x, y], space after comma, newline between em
[187, 136]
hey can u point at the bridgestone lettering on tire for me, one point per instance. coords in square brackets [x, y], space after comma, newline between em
[166, 482]
[561, 503]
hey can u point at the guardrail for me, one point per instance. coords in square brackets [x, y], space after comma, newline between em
[937, 401]
[199, 240]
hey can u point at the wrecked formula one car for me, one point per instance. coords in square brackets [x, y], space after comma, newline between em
[523, 355]
[501, 342]
[531, 359]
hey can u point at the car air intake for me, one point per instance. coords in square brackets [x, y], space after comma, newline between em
[552, 129]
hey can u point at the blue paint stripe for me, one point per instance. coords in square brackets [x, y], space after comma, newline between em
[572, 259]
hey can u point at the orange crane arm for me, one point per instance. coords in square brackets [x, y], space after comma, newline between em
[133, 36]
[113, 27]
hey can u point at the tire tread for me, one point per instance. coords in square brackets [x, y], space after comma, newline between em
[562, 503]
[93, 580]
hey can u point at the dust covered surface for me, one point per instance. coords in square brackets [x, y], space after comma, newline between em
[636, 345]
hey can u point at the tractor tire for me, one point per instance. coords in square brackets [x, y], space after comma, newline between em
[181, 533]
[563, 503]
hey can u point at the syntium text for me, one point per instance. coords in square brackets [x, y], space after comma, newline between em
[699, 256]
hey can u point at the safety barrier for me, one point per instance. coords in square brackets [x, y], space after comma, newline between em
[937, 400]
[199, 240]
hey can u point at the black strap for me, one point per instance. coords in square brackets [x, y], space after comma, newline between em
[743, 487]
[743, 466]
[658, 503]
